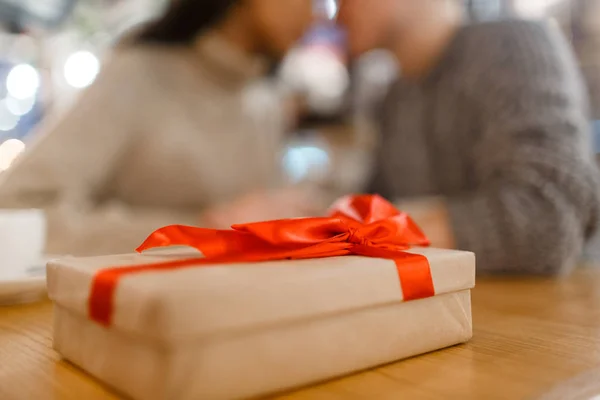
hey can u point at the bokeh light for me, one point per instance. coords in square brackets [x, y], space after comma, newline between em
[9, 151]
[19, 107]
[300, 162]
[23, 81]
[8, 120]
[81, 69]
[320, 75]
[331, 8]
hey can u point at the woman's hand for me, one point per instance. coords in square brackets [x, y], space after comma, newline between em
[265, 206]
[432, 217]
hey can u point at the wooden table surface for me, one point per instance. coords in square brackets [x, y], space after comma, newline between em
[534, 339]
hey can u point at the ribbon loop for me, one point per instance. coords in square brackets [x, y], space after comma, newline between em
[368, 221]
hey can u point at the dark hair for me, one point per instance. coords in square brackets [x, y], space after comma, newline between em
[184, 20]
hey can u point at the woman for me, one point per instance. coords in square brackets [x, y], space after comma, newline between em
[172, 132]
[484, 139]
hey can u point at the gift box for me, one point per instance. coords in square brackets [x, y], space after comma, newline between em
[268, 307]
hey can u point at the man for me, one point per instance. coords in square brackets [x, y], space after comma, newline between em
[484, 139]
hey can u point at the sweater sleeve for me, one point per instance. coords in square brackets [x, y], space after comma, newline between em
[65, 171]
[539, 198]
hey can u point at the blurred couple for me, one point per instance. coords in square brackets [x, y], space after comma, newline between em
[483, 138]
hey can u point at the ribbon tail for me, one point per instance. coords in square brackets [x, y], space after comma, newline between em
[414, 271]
[212, 243]
[415, 277]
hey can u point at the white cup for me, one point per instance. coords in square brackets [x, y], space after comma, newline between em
[22, 241]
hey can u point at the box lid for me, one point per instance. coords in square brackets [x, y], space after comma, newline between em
[198, 302]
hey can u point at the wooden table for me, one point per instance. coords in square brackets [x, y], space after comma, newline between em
[534, 339]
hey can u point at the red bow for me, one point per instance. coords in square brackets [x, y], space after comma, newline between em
[360, 225]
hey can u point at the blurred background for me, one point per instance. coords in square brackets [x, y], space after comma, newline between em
[50, 50]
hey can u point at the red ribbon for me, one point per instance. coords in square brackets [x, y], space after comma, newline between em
[359, 225]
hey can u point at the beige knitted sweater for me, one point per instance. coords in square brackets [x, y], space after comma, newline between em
[161, 135]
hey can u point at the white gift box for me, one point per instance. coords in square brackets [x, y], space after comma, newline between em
[248, 330]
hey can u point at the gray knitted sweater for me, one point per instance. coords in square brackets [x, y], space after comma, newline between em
[499, 129]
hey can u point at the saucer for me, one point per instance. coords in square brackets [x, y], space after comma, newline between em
[26, 288]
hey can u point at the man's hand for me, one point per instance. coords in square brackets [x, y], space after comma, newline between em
[432, 216]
